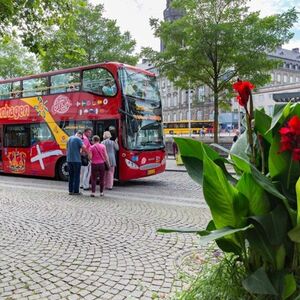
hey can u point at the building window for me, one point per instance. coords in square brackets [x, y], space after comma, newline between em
[278, 78]
[174, 117]
[285, 78]
[199, 115]
[175, 96]
[169, 100]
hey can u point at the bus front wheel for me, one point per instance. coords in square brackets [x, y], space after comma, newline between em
[62, 169]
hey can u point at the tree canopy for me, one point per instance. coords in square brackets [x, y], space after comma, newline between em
[16, 60]
[28, 19]
[217, 40]
[84, 38]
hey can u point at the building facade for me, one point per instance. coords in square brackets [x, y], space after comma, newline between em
[176, 101]
[285, 79]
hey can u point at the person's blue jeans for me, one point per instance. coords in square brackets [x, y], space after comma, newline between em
[74, 176]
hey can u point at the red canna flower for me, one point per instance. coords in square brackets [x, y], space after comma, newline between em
[294, 124]
[290, 137]
[296, 154]
[244, 89]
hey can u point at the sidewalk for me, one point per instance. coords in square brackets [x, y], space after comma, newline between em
[171, 166]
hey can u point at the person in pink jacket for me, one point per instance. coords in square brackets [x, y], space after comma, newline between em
[98, 156]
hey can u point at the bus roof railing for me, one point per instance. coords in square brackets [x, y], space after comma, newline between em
[75, 69]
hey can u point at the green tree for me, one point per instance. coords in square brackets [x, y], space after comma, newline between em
[28, 19]
[86, 38]
[16, 60]
[217, 40]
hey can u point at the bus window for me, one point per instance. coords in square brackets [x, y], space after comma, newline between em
[139, 85]
[16, 136]
[35, 87]
[5, 90]
[70, 126]
[40, 132]
[143, 134]
[66, 82]
[16, 89]
[99, 81]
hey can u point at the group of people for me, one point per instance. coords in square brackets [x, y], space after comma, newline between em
[102, 162]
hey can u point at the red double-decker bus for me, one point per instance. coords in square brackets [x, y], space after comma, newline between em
[38, 113]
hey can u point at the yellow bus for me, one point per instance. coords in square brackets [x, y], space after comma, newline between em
[182, 127]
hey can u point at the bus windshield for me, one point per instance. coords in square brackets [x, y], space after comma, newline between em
[143, 114]
[139, 85]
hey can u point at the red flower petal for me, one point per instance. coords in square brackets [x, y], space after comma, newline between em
[296, 154]
[294, 124]
[285, 130]
[244, 89]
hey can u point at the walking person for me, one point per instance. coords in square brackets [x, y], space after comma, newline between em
[98, 157]
[111, 147]
[74, 148]
[85, 173]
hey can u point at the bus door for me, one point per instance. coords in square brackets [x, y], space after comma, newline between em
[1, 147]
[112, 126]
[106, 125]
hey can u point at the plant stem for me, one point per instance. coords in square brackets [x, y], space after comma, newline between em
[261, 146]
[250, 137]
[289, 174]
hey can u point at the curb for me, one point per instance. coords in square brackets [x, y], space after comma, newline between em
[175, 170]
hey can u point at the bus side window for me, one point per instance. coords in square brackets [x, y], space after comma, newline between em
[5, 89]
[35, 87]
[40, 132]
[15, 89]
[16, 136]
[66, 82]
[96, 80]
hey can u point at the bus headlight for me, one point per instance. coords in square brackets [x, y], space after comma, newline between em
[131, 165]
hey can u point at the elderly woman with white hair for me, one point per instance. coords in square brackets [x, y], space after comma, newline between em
[111, 147]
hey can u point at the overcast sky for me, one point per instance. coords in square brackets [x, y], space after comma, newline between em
[134, 15]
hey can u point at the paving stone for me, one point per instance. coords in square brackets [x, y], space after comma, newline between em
[60, 247]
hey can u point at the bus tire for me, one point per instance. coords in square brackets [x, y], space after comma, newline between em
[62, 172]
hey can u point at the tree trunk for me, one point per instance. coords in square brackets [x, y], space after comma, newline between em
[216, 116]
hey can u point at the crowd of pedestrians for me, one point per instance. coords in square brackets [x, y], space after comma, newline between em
[101, 166]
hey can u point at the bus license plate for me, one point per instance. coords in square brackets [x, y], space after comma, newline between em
[151, 172]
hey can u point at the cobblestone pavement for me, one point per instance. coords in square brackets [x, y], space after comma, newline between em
[56, 246]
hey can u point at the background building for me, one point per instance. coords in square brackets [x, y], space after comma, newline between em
[175, 101]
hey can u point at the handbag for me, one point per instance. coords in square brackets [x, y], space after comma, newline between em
[106, 163]
[84, 160]
[106, 166]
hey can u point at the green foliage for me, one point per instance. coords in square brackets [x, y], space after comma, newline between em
[257, 217]
[85, 38]
[30, 18]
[217, 40]
[259, 283]
[218, 280]
[16, 60]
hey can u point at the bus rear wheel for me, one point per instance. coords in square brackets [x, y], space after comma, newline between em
[62, 171]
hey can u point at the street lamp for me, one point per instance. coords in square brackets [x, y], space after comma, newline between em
[189, 110]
